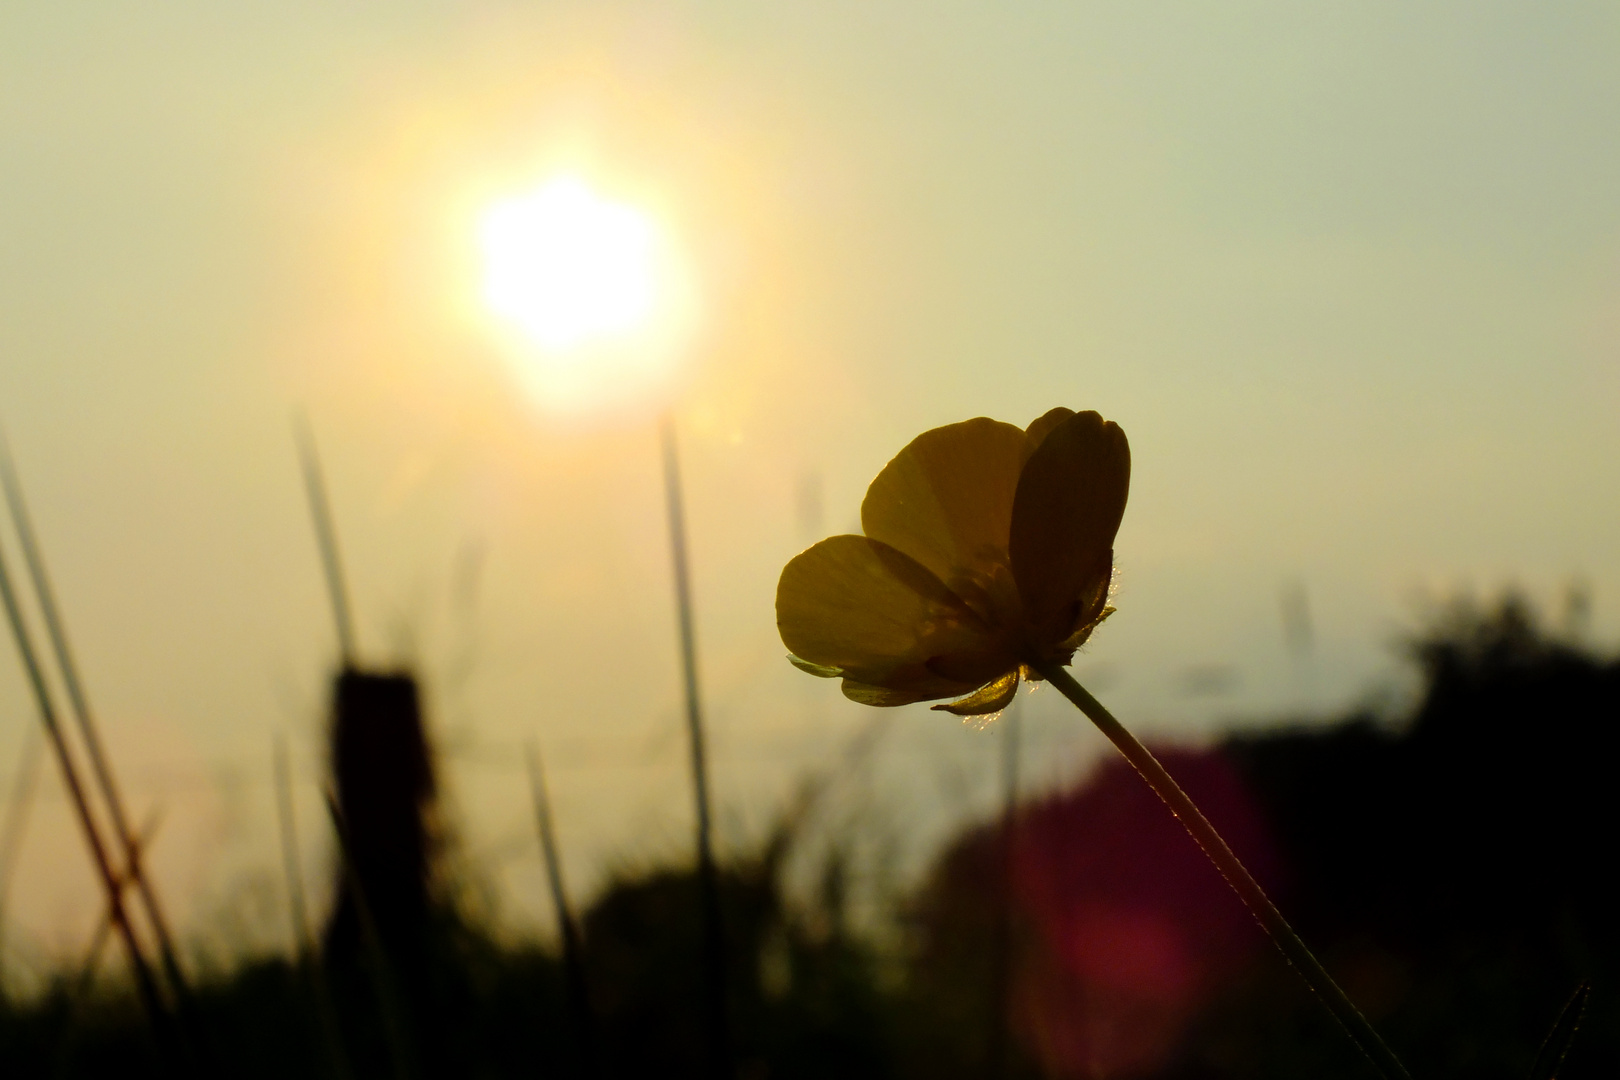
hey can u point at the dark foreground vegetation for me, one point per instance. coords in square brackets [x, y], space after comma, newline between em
[1454, 868]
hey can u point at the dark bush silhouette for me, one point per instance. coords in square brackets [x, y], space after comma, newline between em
[805, 1003]
[1455, 870]
[1458, 869]
[1452, 868]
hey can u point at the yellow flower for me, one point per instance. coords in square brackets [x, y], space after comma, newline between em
[988, 551]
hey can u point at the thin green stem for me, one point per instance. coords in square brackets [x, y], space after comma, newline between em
[1235, 873]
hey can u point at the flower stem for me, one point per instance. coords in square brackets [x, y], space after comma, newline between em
[1236, 874]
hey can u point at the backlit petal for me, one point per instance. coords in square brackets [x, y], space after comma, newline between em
[1070, 499]
[877, 616]
[990, 698]
[1083, 634]
[1042, 426]
[888, 696]
[820, 671]
[947, 498]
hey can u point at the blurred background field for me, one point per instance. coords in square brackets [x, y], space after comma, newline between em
[1448, 861]
[1347, 278]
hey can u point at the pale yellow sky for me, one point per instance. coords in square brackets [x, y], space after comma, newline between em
[1347, 278]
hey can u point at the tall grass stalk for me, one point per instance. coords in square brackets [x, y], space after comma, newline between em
[579, 995]
[104, 929]
[79, 701]
[19, 804]
[1550, 1059]
[157, 1010]
[287, 824]
[714, 947]
[320, 512]
[1235, 873]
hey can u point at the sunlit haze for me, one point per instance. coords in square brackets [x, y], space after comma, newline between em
[593, 285]
[1348, 275]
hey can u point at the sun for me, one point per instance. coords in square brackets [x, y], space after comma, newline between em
[593, 289]
[567, 265]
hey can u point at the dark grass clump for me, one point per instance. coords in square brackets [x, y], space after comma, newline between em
[504, 1016]
[806, 998]
[807, 1003]
[1453, 867]
[1461, 867]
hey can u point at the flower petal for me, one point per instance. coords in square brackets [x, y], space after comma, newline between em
[947, 498]
[990, 698]
[1042, 426]
[1085, 630]
[820, 671]
[1071, 497]
[879, 618]
[884, 696]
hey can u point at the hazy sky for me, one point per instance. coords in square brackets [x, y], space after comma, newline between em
[1346, 274]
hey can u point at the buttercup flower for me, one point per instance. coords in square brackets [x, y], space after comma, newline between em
[987, 558]
[988, 550]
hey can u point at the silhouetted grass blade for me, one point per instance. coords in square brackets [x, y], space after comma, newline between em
[320, 511]
[1551, 1057]
[717, 994]
[101, 767]
[164, 1028]
[579, 995]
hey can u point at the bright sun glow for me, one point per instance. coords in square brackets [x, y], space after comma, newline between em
[593, 287]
